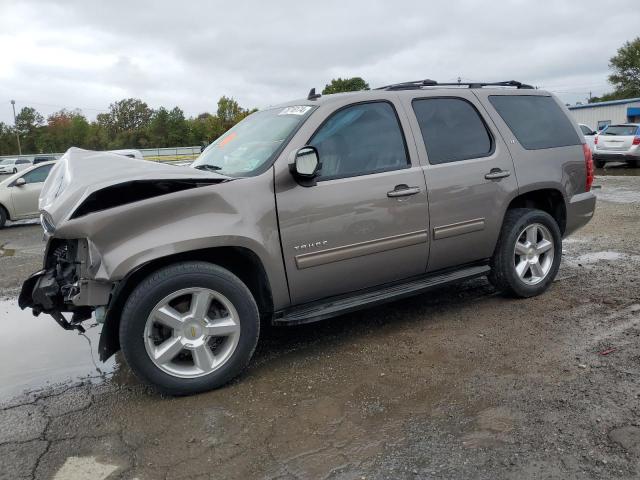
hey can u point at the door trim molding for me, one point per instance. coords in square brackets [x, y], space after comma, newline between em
[460, 228]
[336, 254]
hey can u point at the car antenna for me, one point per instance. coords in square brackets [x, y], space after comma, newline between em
[313, 95]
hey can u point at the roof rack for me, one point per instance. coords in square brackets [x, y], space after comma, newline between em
[432, 83]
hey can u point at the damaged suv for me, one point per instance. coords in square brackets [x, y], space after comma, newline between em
[305, 211]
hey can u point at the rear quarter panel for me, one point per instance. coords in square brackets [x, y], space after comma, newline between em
[561, 168]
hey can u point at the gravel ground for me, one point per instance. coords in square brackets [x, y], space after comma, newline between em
[456, 383]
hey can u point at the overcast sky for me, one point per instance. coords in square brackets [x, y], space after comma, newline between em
[86, 54]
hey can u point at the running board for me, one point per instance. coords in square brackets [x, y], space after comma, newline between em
[335, 306]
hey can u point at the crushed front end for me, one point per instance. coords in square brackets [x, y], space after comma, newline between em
[65, 284]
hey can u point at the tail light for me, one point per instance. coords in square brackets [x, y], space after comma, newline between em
[588, 163]
[595, 140]
[636, 141]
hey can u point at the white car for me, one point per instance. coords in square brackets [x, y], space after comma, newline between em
[19, 193]
[13, 165]
[589, 135]
[618, 143]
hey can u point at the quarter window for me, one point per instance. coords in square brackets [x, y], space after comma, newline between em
[536, 121]
[452, 130]
[359, 140]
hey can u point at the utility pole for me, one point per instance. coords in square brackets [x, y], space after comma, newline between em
[13, 105]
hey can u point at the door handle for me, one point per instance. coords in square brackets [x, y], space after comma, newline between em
[497, 173]
[403, 191]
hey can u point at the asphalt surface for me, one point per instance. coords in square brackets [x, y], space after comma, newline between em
[456, 383]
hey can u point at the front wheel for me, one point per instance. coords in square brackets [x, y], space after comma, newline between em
[528, 253]
[15, 170]
[189, 328]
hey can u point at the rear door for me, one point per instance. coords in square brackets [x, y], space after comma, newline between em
[25, 197]
[469, 174]
[365, 222]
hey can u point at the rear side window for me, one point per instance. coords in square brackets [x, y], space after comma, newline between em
[452, 130]
[622, 130]
[536, 121]
[359, 140]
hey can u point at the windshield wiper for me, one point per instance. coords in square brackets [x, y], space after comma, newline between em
[210, 168]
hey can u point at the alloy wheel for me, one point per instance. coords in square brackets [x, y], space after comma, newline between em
[192, 332]
[533, 254]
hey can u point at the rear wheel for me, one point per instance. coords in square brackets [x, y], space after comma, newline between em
[598, 163]
[189, 328]
[528, 254]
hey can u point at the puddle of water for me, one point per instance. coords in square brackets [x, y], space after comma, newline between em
[36, 352]
[6, 251]
[594, 257]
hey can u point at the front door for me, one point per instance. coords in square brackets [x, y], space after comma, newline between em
[469, 173]
[365, 222]
[25, 197]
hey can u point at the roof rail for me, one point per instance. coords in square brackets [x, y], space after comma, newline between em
[432, 83]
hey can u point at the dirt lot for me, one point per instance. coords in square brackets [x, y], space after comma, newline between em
[457, 383]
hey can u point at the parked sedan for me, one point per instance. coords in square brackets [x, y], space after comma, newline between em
[19, 193]
[618, 143]
[13, 165]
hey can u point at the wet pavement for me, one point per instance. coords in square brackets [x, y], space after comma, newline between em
[457, 383]
[38, 354]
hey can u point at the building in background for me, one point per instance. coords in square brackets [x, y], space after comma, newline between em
[599, 115]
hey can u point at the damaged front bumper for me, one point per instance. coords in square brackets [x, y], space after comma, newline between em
[62, 286]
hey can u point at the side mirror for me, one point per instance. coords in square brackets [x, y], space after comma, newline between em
[306, 166]
[20, 182]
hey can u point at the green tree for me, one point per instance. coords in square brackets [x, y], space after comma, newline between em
[229, 111]
[28, 126]
[625, 76]
[338, 85]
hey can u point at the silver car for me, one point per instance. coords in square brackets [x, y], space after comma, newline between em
[305, 211]
[19, 193]
[618, 143]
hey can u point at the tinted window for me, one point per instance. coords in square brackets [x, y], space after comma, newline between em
[37, 175]
[360, 139]
[624, 130]
[452, 130]
[536, 121]
[586, 130]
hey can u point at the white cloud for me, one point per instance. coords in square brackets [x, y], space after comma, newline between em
[89, 54]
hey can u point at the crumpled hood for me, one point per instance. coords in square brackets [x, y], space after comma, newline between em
[80, 176]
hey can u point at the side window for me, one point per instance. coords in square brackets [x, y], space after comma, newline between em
[602, 124]
[37, 175]
[536, 121]
[586, 130]
[452, 130]
[359, 140]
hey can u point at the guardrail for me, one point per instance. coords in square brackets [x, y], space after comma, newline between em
[164, 154]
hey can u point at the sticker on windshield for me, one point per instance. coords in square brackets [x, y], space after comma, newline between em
[297, 110]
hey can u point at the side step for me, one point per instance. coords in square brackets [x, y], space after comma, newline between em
[331, 307]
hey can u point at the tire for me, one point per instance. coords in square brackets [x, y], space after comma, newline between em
[598, 163]
[15, 170]
[518, 224]
[3, 216]
[634, 163]
[174, 289]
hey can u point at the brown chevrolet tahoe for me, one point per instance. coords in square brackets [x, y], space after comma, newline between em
[305, 211]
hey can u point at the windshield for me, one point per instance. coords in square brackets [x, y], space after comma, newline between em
[624, 130]
[7, 161]
[250, 145]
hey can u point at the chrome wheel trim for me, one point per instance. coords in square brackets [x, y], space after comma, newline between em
[533, 254]
[192, 333]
